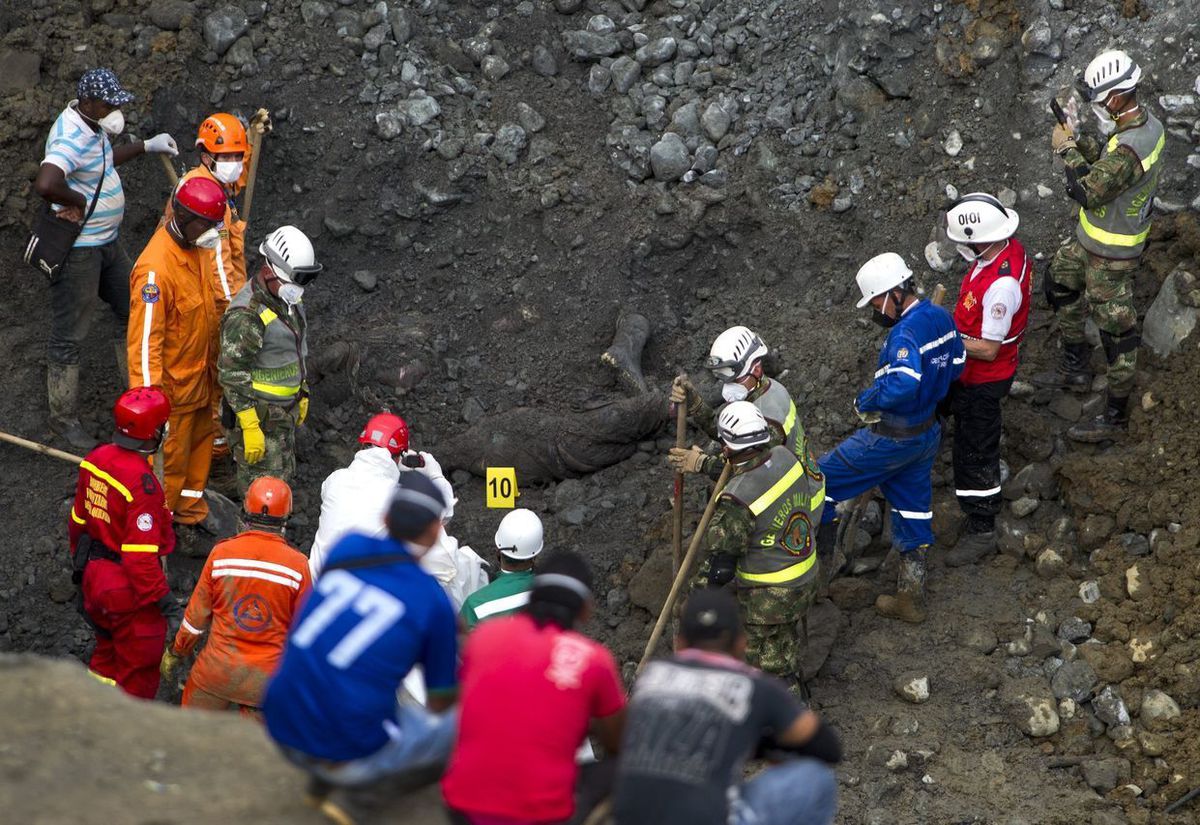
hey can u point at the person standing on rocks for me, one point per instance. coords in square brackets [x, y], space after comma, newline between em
[519, 542]
[262, 367]
[1115, 188]
[120, 529]
[249, 590]
[762, 536]
[992, 310]
[78, 174]
[172, 340]
[922, 356]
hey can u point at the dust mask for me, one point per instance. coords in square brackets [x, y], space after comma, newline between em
[227, 171]
[291, 294]
[734, 392]
[969, 255]
[882, 319]
[112, 123]
[1104, 118]
[209, 239]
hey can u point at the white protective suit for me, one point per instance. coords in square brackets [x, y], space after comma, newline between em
[356, 498]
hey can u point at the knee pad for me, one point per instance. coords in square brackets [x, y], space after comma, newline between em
[1119, 344]
[1057, 295]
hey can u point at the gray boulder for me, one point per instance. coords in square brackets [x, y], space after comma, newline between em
[669, 158]
[223, 27]
[1169, 320]
[585, 45]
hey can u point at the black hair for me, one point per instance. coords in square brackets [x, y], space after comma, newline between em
[555, 604]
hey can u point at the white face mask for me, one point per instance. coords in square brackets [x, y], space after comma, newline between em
[734, 392]
[209, 239]
[1104, 118]
[113, 123]
[291, 294]
[969, 255]
[227, 171]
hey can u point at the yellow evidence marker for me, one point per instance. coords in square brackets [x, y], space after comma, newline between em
[501, 484]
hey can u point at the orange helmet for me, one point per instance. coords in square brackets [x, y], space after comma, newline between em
[268, 500]
[221, 133]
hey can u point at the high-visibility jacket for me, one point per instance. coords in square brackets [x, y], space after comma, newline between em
[225, 265]
[250, 588]
[1119, 229]
[119, 504]
[277, 358]
[173, 324]
[968, 313]
[777, 406]
[782, 549]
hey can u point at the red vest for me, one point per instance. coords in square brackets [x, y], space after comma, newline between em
[968, 314]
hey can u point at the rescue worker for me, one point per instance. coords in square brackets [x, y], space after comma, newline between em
[519, 543]
[921, 357]
[264, 345]
[251, 587]
[119, 529]
[736, 360]
[1115, 190]
[762, 535]
[172, 340]
[991, 313]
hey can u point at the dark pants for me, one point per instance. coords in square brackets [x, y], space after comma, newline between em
[593, 786]
[976, 409]
[88, 272]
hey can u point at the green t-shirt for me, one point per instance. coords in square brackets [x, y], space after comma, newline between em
[507, 594]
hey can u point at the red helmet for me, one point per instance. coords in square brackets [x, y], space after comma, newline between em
[268, 499]
[386, 430]
[140, 413]
[203, 197]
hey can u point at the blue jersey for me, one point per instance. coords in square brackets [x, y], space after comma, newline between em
[922, 356]
[356, 637]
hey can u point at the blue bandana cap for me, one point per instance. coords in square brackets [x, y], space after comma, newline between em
[102, 84]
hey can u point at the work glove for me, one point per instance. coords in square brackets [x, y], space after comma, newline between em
[686, 460]
[303, 409]
[162, 144]
[1061, 139]
[168, 664]
[261, 120]
[867, 417]
[721, 569]
[683, 391]
[254, 444]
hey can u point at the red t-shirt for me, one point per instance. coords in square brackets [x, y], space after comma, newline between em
[528, 694]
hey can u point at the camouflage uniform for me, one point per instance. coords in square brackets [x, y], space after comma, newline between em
[780, 538]
[255, 323]
[1088, 270]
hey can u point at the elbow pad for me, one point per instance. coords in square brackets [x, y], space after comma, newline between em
[1075, 190]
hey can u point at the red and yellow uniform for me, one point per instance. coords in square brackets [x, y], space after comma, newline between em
[119, 504]
[172, 340]
[250, 589]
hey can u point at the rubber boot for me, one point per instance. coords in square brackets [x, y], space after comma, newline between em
[972, 548]
[908, 605]
[62, 393]
[1072, 373]
[224, 517]
[122, 354]
[1109, 425]
[625, 354]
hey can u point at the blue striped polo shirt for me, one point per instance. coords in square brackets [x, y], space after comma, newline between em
[79, 152]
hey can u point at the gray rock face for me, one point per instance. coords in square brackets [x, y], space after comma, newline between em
[585, 45]
[241, 54]
[544, 62]
[314, 12]
[669, 158]
[531, 120]
[169, 14]
[1110, 708]
[625, 72]
[223, 27]
[510, 140]
[494, 68]
[656, 52]
[1169, 321]
[401, 23]
[417, 111]
[1074, 680]
[716, 121]
[19, 70]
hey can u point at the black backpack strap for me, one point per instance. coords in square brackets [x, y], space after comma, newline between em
[100, 185]
[369, 561]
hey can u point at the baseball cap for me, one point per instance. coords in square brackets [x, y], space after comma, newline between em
[416, 504]
[709, 614]
[102, 84]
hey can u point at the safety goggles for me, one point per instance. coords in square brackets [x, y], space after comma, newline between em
[733, 368]
[1099, 93]
[746, 439]
[294, 274]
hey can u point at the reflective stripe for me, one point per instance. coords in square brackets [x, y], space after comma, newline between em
[260, 565]
[910, 372]
[100, 678]
[192, 493]
[100, 474]
[147, 323]
[768, 498]
[947, 337]
[977, 493]
[790, 421]
[139, 548]
[787, 574]
[271, 389]
[221, 270]
[500, 605]
[76, 518]
[1150, 159]
[912, 514]
[190, 628]
[255, 574]
[1110, 238]
[220, 442]
[818, 499]
[962, 359]
[267, 316]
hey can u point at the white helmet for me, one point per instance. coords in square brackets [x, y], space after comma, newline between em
[1109, 73]
[733, 354]
[290, 255]
[881, 274]
[519, 535]
[741, 426]
[980, 218]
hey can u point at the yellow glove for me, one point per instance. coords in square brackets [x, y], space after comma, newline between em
[303, 409]
[1061, 139]
[169, 664]
[690, 460]
[254, 445]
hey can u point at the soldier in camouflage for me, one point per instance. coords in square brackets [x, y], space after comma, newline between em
[762, 537]
[1114, 187]
[261, 368]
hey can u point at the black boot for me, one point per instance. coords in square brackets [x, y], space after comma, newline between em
[625, 354]
[1109, 425]
[972, 548]
[1072, 373]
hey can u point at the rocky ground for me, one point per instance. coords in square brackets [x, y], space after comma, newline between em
[489, 184]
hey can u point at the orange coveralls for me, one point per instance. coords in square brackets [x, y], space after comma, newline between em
[172, 340]
[251, 587]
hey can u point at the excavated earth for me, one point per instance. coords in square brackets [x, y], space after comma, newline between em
[489, 185]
